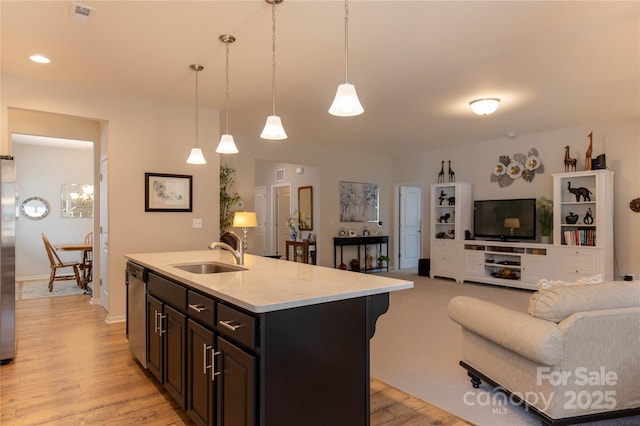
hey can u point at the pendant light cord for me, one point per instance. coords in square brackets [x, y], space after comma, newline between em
[197, 71]
[227, 87]
[273, 57]
[346, 41]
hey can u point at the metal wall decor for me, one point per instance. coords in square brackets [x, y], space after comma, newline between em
[525, 166]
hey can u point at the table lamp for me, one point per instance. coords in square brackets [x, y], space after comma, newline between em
[244, 220]
[512, 223]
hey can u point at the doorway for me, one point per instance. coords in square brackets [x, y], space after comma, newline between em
[53, 151]
[281, 212]
[409, 226]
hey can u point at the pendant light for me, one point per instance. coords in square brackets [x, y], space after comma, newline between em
[273, 129]
[346, 102]
[196, 156]
[227, 145]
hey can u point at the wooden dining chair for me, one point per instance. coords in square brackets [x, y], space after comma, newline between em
[87, 260]
[57, 264]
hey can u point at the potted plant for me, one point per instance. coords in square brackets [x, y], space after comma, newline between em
[544, 214]
[382, 258]
[228, 197]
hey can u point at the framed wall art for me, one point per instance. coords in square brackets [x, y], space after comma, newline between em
[358, 202]
[167, 193]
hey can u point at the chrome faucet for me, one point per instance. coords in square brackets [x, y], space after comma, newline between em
[238, 254]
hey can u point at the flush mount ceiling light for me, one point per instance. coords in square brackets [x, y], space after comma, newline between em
[346, 102]
[273, 129]
[227, 145]
[40, 59]
[196, 156]
[484, 106]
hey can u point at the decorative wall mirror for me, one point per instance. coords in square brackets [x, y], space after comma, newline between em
[77, 200]
[305, 207]
[35, 208]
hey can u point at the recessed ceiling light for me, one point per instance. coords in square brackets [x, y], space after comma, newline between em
[40, 59]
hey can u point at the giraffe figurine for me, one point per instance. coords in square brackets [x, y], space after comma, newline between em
[587, 160]
[441, 174]
[452, 174]
[569, 162]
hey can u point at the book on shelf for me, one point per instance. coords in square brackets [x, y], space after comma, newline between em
[579, 237]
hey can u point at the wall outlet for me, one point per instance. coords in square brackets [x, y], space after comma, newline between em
[197, 223]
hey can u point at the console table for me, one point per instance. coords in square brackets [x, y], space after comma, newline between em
[303, 251]
[377, 241]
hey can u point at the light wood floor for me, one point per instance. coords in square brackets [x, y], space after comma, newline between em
[74, 369]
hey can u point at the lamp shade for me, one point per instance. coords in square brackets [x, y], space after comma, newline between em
[245, 220]
[196, 157]
[512, 222]
[273, 129]
[346, 102]
[226, 145]
[484, 106]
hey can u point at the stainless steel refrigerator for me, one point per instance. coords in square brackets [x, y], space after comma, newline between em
[7, 259]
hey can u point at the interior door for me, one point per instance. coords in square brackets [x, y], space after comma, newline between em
[282, 207]
[104, 237]
[410, 224]
[259, 242]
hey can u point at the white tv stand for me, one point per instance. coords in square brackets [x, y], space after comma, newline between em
[511, 264]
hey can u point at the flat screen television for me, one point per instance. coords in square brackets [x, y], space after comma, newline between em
[505, 220]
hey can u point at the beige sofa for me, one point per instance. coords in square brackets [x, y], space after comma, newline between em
[575, 357]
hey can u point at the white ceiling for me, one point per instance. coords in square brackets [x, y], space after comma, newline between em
[416, 64]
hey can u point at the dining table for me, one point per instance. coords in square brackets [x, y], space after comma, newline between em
[85, 249]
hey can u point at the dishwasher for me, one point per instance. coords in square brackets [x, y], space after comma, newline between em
[136, 281]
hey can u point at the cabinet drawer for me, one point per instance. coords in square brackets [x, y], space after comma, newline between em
[237, 325]
[168, 291]
[201, 308]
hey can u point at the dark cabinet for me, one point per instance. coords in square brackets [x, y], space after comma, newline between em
[167, 335]
[200, 359]
[221, 375]
[236, 386]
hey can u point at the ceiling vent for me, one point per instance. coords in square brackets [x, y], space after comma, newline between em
[81, 13]
[279, 175]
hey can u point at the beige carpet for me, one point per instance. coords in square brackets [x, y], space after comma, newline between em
[39, 289]
[416, 348]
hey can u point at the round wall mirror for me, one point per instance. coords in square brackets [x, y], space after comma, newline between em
[35, 208]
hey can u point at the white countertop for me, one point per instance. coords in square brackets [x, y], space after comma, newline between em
[268, 284]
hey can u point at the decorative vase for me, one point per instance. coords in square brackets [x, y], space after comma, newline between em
[571, 218]
[293, 235]
[355, 265]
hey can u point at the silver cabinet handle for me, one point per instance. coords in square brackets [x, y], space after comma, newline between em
[198, 308]
[214, 373]
[205, 367]
[228, 325]
[156, 327]
[162, 317]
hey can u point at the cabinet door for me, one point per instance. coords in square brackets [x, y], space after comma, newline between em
[236, 386]
[175, 344]
[200, 353]
[154, 337]
[535, 268]
[474, 263]
[577, 263]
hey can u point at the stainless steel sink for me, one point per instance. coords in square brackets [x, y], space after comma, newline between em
[209, 268]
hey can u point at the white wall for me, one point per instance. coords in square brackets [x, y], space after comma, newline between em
[474, 163]
[141, 136]
[40, 172]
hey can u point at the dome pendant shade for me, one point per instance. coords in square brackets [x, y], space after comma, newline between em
[196, 157]
[273, 129]
[226, 145]
[346, 102]
[484, 106]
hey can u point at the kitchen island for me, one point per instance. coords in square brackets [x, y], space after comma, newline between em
[278, 343]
